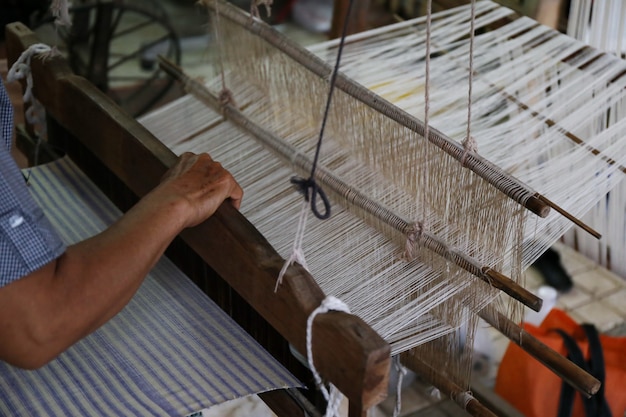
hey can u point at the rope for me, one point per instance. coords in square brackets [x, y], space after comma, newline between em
[401, 373]
[332, 395]
[469, 143]
[225, 96]
[297, 255]
[36, 114]
[308, 187]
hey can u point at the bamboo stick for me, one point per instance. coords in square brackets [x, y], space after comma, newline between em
[356, 197]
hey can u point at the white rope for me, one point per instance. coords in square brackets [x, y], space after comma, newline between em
[297, 255]
[21, 69]
[332, 395]
[401, 373]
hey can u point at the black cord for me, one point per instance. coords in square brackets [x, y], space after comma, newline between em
[308, 187]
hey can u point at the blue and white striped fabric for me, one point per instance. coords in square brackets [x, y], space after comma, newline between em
[170, 352]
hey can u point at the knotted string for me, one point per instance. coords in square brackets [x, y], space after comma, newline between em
[469, 145]
[225, 95]
[332, 395]
[308, 187]
[36, 114]
[413, 238]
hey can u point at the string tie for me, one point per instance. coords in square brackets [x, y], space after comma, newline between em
[413, 238]
[469, 145]
[254, 7]
[332, 395]
[226, 97]
[21, 69]
[297, 254]
[310, 190]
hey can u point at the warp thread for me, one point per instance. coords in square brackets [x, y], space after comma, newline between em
[332, 395]
[401, 373]
[35, 114]
[297, 255]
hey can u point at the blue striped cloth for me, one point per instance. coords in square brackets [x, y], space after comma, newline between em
[170, 352]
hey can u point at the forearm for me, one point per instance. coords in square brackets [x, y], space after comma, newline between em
[86, 286]
[44, 313]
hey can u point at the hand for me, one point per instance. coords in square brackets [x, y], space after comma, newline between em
[201, 183]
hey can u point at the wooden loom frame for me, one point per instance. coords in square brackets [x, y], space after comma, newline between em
[357, 360]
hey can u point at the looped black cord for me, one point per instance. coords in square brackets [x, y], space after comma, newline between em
[303, 186]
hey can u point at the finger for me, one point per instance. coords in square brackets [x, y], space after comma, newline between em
[236, 195]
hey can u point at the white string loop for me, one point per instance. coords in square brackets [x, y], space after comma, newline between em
[332, 395]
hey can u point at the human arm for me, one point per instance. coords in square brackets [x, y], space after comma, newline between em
[45, 312]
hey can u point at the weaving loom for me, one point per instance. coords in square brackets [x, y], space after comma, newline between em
[469, 227]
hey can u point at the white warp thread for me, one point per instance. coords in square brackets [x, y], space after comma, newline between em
[401, 373]
[36, 114]
[332, 395]
[297, 254]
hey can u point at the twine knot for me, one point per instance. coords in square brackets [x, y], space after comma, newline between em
[413, 238]
[469, 145]
[35, 114]
[226, 98]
